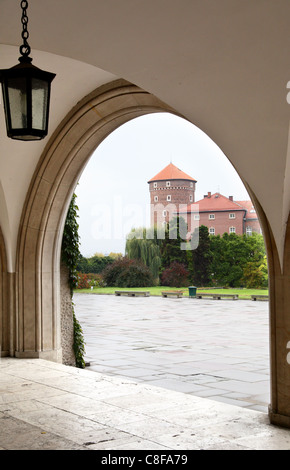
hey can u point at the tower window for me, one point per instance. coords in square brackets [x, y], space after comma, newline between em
[168, 197]
[155, 198]
[167, 184]
[191, 198]
[154, 185]
[164, 213]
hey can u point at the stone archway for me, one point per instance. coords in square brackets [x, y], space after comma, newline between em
[45, 208]
[37, 293]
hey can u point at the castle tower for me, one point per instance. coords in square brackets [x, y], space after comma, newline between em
[169, 189]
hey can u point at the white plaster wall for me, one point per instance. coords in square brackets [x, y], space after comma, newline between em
[18, 160]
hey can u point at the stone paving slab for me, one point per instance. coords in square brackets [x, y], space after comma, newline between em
[214, 349]
[64, 408]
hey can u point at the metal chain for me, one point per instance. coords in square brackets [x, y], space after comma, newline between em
[24, 48]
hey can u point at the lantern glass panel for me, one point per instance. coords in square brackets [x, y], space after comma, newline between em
[18, 102]
[39, 103]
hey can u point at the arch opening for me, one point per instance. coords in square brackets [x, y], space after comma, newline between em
[122, 325]
[38, 255]
[46, 206]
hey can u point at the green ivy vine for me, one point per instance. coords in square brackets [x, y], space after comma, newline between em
[70, 254]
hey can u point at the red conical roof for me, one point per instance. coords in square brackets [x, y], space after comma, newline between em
[171, 172]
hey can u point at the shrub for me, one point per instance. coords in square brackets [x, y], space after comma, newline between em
[176, 275]
[96, 280]
[83, 281]
[125, 272]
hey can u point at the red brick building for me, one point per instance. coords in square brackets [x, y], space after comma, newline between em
[222, 214]
[172, 192]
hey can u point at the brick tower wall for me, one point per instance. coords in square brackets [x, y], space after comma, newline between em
[181, 193]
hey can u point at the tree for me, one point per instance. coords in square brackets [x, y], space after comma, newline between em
[125, 272]
[255, 271]
[236, 258]
[143, 244]
[172, 246]
[176, 275]
[201, 257]
[83, 265]
[95, 264]
[256, 275]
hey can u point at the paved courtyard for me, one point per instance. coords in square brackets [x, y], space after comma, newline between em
[206, 348]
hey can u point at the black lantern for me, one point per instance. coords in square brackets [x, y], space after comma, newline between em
[26, 94]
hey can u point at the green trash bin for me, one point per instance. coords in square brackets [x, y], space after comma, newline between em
[192, 291]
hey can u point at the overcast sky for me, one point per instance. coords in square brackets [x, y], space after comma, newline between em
[113, 193]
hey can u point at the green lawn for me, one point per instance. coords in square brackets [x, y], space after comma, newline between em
[242, 293]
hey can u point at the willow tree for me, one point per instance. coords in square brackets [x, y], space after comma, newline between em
[143, 244]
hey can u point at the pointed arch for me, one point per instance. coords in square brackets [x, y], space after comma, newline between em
[36, 288]
[45, 208]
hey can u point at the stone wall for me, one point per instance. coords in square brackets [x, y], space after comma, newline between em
[68, 357]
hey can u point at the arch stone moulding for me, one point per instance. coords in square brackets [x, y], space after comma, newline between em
[45, 208]
[36, 330]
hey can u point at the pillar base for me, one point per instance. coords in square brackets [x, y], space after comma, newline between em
[54, 355]
[279, 419]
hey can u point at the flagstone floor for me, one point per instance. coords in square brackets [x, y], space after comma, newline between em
[49, 406]
[165, 374]
[217, 349]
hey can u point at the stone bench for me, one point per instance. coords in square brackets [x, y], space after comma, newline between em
[132, 293]
[202, 295]
[172, 294]
[259, 297]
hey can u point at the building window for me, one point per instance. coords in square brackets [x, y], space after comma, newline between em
[249, 231]
[167, 184]
[164, 213]
[168, 197]
[154, 185]
[232, 230]
[211, 216]
[196, 217]
[232, 216]
[191, 198]
[155, 198]
[211, 231]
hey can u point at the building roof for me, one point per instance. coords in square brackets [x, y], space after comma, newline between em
[171, 172]
[215, 202]
[251, 211]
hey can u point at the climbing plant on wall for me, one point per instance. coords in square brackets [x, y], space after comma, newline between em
[70, 242]
[70, 254]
